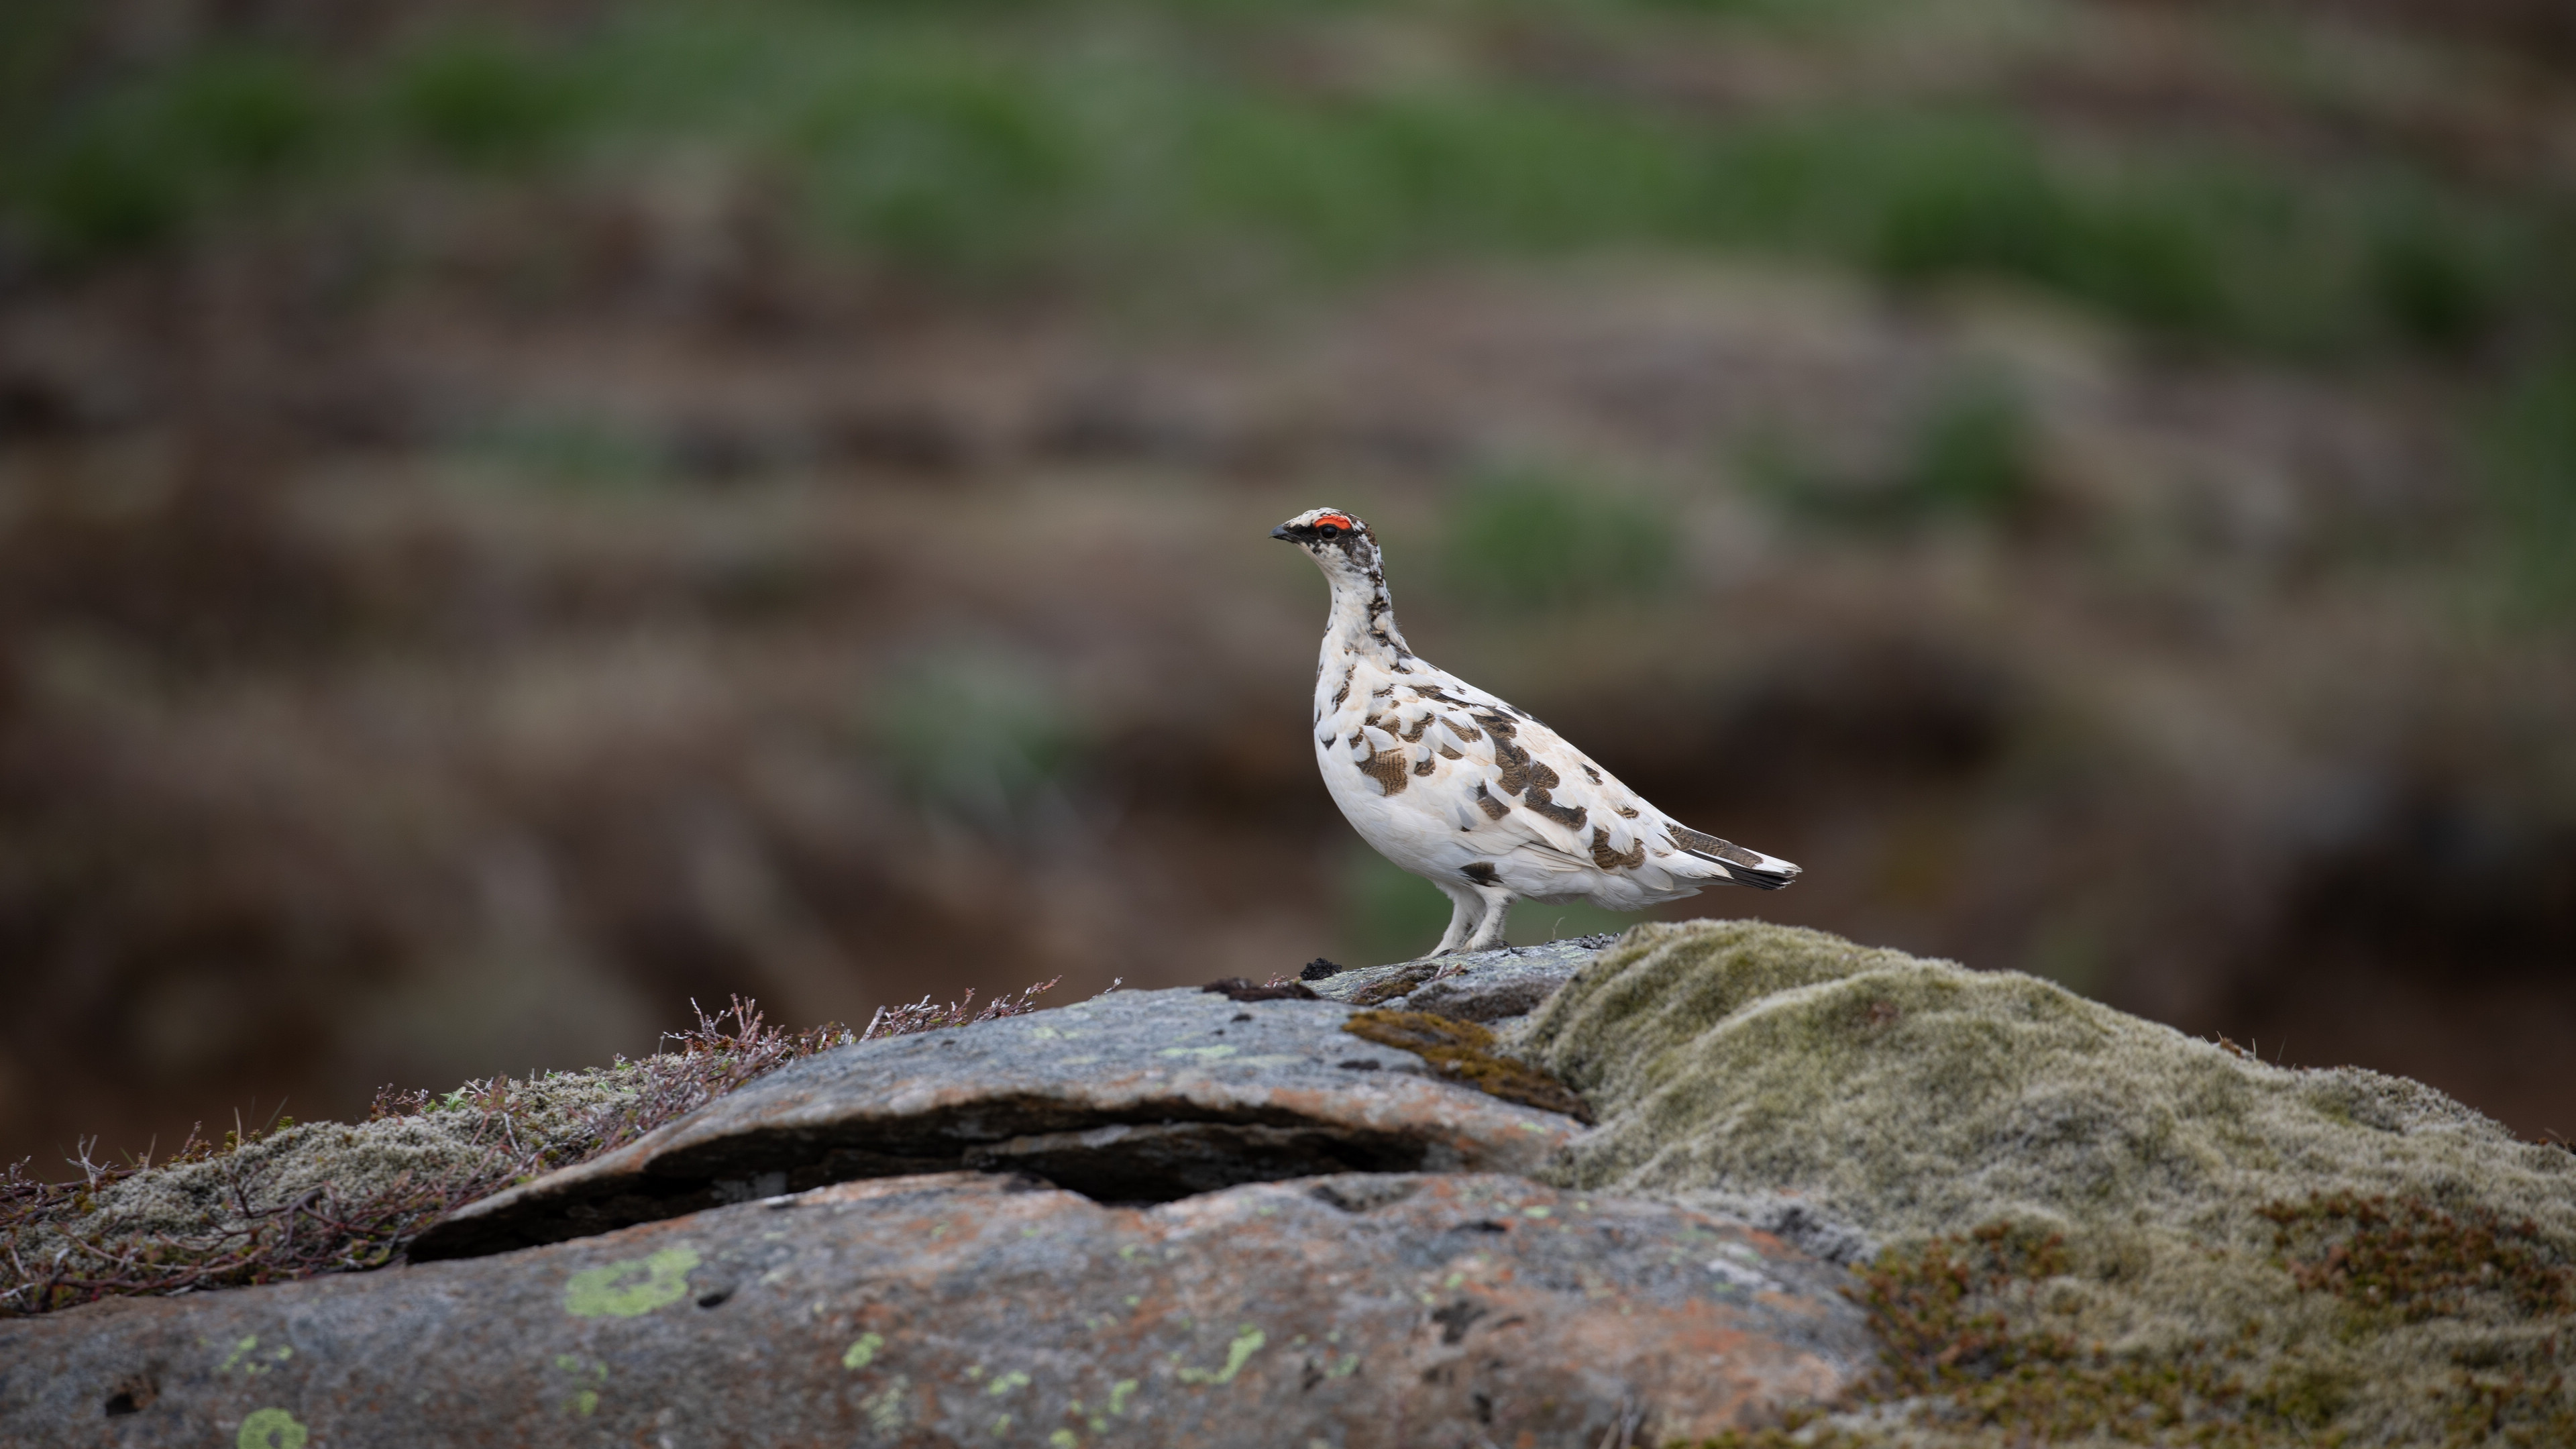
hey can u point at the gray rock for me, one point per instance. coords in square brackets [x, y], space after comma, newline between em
[1487, 986]
[976, 1308]
[1792, 1220]
[1139, 1096]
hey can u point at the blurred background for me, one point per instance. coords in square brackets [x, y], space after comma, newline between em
[515, 514]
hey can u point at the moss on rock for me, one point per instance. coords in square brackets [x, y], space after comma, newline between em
[1463, 1051]
[330, 1197]
[450, 1141]
[2180, 1298]
[306, 1198]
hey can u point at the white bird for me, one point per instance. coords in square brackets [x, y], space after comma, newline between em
[1469, 793]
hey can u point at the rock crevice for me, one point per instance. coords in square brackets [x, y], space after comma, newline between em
[1136, 1097]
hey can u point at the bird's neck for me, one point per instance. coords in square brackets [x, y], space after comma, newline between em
[1362, 622]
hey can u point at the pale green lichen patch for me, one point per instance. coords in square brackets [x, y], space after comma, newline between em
[2149, 1261]
[587, 1376]
[1247, 1342]
[248, 1360]
[271, 1429]
[632, 1288]
[862, 1351]
[888, 1409]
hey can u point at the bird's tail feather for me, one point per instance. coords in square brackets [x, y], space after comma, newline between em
[1742, 866]
[1761, 878]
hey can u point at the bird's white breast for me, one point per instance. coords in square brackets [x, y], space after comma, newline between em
[1411, 826]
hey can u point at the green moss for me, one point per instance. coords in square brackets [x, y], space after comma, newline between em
[2096, 1227]
[1464, 1052]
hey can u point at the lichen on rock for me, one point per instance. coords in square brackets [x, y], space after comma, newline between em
[2136, 1190]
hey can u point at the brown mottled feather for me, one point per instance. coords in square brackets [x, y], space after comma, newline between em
[1608, 859]
[1387, 768]
[1569, 816]
[1706, 844]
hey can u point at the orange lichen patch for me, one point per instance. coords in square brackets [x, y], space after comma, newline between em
[1464, 1052]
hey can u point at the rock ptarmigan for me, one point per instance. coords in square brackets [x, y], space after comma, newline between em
[1466, 791]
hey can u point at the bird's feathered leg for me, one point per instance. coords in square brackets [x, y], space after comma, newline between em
[1497, 901]
[1464, 912]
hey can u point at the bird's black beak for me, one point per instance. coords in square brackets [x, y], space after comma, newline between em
[1282, 532]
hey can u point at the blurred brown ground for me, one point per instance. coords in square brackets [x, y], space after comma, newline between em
[446, 625]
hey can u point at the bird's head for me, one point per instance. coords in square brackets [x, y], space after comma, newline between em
[1338, 542]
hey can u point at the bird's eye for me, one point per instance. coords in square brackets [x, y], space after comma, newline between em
[1329, 530]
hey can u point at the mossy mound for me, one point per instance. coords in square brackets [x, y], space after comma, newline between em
[305, 1198]
[328, 1197]
[454, 1140]
[2095, 1227]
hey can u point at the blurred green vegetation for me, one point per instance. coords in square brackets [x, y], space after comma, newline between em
[474, 98]
[1538, 540]
[130, 166]
[1386, 914]
[2532, 468]
[1969, 460]
[437, 436]
[1142, 143]
[570, 454]
[1389, 915]
[977, 735]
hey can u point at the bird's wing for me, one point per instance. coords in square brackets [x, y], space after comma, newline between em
[1512, 784]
